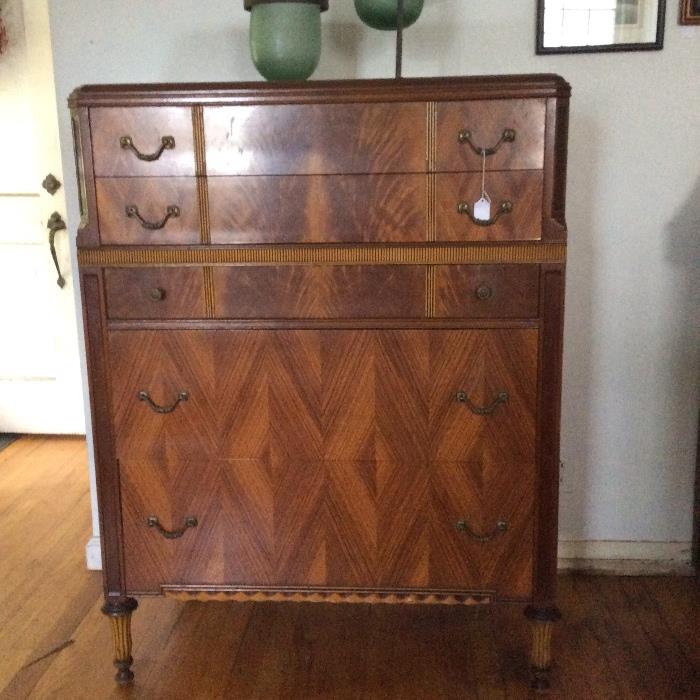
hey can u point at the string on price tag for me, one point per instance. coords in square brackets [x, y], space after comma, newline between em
[482, 207]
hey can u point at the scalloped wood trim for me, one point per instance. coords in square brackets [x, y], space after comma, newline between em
[124, 256]
[329, 596]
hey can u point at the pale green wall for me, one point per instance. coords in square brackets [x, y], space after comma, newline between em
[631, 355]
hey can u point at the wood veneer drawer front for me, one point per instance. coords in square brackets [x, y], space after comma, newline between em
[520, 194]
[486, 121]
[152, 370]
[148, 211]
[317, 209]
[487, 291]
[315, 139]
[320, 291]
[309, 395]
[154, 293]
[490, 378]
[361, 525]
[160, 141]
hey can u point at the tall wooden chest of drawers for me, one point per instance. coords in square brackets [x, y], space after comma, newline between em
[316, 372]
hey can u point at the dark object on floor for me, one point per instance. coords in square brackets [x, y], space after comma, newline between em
[7, 439]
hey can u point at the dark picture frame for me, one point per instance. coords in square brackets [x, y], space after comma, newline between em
[690, 12]
[655, 45]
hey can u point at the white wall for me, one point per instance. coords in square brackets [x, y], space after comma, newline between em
[631, 354]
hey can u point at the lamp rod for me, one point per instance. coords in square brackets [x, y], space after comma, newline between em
[399, 37]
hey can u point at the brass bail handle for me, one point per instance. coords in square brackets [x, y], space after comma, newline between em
[190, 521]
[463, 526]
[505, 207]
[501, 398]
[143, 395]
[465, 137]
[171, 212]
[56, 224]
[166, 143]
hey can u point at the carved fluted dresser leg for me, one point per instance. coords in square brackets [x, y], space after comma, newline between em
[542, 620]
[119, 613]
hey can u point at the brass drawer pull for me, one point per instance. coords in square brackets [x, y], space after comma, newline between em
[504, 208]
[501, 527]
[132, 211]
[483, 292]
[190, 521]
[465, 136]
[127, 143]
[144, 396]
[157, 294]
[502, 397]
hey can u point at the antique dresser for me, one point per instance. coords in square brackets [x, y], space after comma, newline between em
[322, 367]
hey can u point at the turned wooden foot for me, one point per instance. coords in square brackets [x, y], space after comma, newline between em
[119, 613]
[542, 620]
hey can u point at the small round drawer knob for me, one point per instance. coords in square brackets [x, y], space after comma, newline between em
[483, 292]
[157, 294]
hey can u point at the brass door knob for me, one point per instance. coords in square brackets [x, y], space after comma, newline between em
[157, 294]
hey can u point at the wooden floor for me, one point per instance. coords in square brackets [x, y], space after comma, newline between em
[620, 638]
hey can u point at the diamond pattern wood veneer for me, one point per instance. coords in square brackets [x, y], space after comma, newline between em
[312, 375]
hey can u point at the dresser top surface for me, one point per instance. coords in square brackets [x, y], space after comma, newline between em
[412, 89]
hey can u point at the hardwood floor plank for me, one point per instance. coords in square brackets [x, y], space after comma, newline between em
[622, 639]
[44, 522]
[678, 604]
[582, 631]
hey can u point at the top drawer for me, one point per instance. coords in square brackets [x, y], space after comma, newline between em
[322, 139]
[147, 141]
[511, 132]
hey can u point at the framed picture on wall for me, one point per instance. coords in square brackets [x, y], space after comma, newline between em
[690, 11]
[575, 26]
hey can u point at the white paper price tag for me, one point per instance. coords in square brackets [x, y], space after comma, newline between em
[482, 208]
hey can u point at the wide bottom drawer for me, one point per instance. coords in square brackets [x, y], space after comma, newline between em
[327, 458]
[361, 525]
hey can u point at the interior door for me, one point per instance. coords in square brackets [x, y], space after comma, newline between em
[40, 383]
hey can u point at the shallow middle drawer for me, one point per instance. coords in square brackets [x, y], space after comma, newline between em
[155, 293]
[320, 291]
[487, 291]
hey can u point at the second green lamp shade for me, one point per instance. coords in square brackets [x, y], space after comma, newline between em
[285, 39]
[382, 14]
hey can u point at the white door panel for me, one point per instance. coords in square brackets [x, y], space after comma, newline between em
[40, 384]
[29, 352]
[21, 219]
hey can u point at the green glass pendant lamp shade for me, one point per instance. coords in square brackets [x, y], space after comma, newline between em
[382, 14]
[285, 37]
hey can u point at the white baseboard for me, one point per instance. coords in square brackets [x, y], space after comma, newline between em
[93, 554]
[614, 557]
[625, 558]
